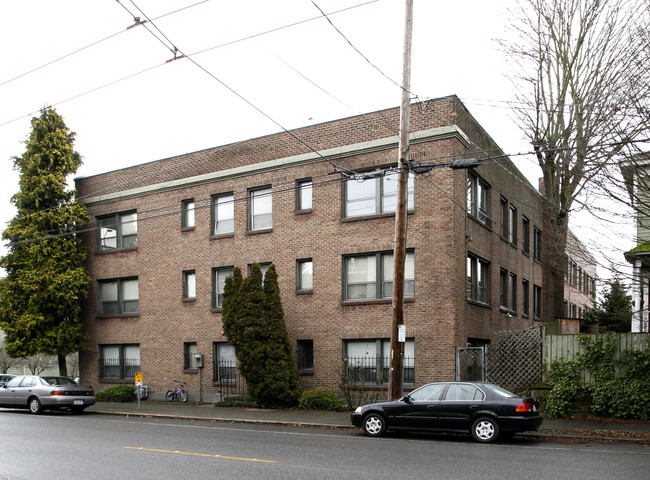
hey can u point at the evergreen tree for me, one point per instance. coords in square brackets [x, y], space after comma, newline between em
[40, 299]
[281, 385]
[614, 312]
[253, 319]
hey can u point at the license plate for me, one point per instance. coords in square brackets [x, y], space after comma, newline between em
[78, 402]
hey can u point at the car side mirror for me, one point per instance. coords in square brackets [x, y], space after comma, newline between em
[406, 399]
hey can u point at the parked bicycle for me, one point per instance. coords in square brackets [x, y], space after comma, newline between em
[178, 393]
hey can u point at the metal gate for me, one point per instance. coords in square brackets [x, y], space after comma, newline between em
[471, 364]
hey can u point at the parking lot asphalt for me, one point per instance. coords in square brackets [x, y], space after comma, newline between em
[575, 429]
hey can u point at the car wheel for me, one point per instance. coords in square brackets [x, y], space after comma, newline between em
[485, 430]
[374, 425]
[35, 406]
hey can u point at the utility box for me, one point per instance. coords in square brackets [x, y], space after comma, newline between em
[142, 392]
[198, 360]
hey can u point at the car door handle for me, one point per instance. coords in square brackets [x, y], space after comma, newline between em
[473, 406]
[430, 406]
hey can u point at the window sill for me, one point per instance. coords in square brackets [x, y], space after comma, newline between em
[307, 211]
[479, 304]
[115, 250]
[116, 380]
[189, 300]
[191, 371]
[258, 232]
[216, 310]
[223, 235]
[187, 229]
[108, 317]
[307, 372]
[384, 301]
[304, 292]
[483, 224]
[372, 217]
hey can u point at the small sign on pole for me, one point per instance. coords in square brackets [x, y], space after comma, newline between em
[138, 387]
[401, 333]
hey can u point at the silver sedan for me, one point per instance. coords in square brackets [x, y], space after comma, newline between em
[38, 393]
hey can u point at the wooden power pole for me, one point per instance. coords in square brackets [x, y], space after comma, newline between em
[401, 212]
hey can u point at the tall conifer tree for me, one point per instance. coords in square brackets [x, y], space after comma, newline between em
[253, 319]
[40, 300]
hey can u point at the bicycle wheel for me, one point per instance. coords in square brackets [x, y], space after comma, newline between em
[169, 396]
[182, 396]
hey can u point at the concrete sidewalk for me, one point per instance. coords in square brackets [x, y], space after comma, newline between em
[575, 429]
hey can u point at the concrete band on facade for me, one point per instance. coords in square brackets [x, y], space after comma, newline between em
[297, 160]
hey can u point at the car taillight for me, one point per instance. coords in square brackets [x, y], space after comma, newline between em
[57, 392]
[91, 393]
[525, 407]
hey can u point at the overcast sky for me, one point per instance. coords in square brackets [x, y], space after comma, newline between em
[128, 105]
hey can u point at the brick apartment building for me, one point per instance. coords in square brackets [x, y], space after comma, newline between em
[318, 203]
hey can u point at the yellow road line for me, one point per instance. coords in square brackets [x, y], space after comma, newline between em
[201, 454]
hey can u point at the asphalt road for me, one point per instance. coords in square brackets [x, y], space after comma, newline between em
[57, 446]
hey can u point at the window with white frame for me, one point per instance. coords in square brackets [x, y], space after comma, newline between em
[260, 206]
[223, 214]
[119, 362]
[512, 225]
[478, 201]
[305, 275]
[118, 231]
[478, 279]
[370, 276]
[190, 352]
[376, 194]
[368, 360]
[304, 194]
[225, 363]
[118, 296]
[219, 276]
[187, 214]
[512, 293]
[189, 284]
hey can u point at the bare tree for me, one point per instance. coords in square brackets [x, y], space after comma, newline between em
[6, 362]
[573, 104]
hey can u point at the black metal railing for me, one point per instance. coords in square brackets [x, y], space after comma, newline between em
[375, 370]
[118, 368]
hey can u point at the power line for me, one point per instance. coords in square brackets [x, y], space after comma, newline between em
[97, 42]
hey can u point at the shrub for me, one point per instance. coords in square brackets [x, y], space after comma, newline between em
[321, 398]
[237, 402]
[564, 378]
[118, 393]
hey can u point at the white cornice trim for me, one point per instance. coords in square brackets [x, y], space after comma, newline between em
[438, 133]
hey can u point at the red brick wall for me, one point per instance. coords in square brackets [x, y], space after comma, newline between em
[439, 318]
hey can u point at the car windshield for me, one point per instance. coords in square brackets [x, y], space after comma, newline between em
[59, 380]
[500, 391]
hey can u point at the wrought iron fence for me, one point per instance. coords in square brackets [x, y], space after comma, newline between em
[375, 370]
[226, 378]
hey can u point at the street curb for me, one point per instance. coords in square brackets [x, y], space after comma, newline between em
[228, 420]
[542, 436]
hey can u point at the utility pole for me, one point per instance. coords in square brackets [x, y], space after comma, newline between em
[401, 213]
